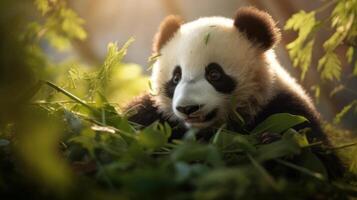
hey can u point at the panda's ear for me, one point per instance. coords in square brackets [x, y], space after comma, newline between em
[168, 27]
[258, 26]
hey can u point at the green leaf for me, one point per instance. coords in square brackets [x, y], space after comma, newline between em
[99, 81]
[349, 54]
[287, 146]
[43, 6]
[344, 111]
[330, 67]
[233, 142]
[300, 50]
[278, 123]
[72, 24]
[151, 137]
[152, 59]
[299, 137]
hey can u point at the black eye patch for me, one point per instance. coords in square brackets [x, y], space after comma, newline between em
[224, 83]
[170, 86]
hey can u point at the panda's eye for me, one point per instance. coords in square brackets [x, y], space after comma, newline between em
[176, 75]
[214, 75]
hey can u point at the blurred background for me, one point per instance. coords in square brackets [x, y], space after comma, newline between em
[117, 20]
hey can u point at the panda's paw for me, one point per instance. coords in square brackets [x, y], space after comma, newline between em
[268, 137]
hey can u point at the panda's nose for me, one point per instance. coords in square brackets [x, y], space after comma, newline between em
[188, 109]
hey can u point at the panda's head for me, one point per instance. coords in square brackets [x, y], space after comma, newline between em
[205, 65]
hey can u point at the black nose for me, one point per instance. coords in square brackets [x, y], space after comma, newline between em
[188, 109]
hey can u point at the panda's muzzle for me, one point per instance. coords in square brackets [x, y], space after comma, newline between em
[199, 117]
[190, 109]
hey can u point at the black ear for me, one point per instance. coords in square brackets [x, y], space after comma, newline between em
[258, 26]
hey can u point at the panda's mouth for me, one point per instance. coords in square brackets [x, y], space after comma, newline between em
[201, 118]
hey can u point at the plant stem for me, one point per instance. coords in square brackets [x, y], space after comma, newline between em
[68, 94]
[301, 169]
[343, 146]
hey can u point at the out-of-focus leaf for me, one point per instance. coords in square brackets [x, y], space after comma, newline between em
[152, 138]
[330, 67]
[349, 54]
[224, 183]
[87, 140]
[194, 152]
[300, 50]
[344, 111]
[37, 146]
[230, 141]
[336, 90]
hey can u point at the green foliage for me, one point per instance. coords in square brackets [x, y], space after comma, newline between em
[300, 50]
[98, 81]
[330, 67]
[342, 21]
[61, 25]
[342, 24]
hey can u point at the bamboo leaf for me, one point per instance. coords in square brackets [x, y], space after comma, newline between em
[278, 123]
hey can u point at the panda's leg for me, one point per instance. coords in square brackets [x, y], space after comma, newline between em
[142, 111]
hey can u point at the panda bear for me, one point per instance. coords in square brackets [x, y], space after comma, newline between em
[203, 64]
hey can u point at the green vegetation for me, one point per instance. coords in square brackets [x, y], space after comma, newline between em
[63, 137]
[342, 28]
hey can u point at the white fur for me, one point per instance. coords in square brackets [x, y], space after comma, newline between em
[258, 73]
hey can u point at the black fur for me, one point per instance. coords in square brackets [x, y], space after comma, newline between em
[225, 84]
[170, 86]
[258, 26]
[289, 102]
